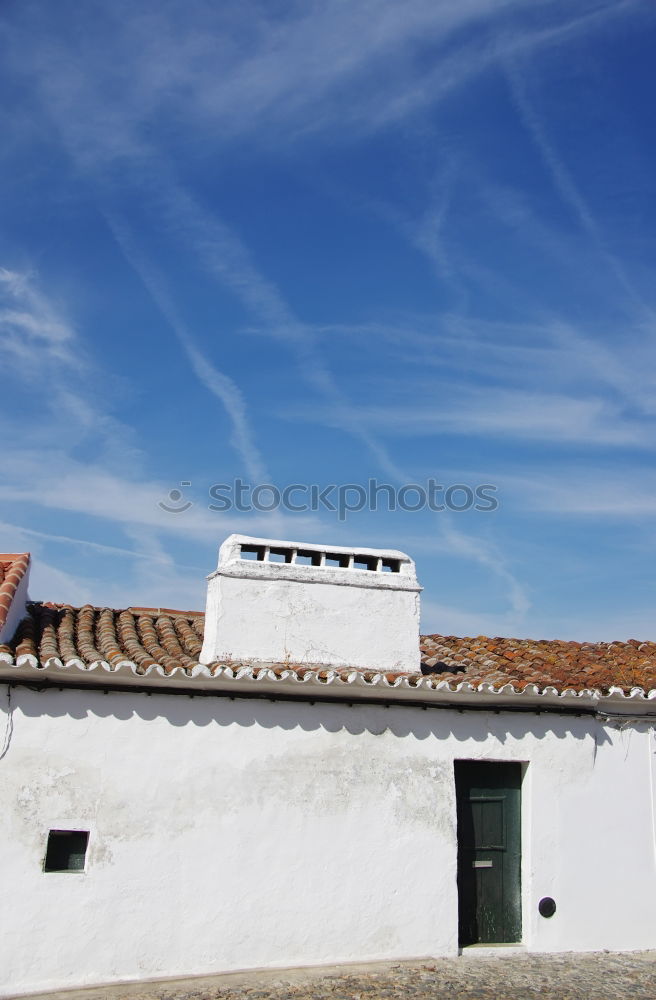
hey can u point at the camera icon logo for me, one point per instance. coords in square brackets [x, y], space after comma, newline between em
[176, 503]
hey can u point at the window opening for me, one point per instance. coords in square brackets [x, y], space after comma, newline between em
[66, 851]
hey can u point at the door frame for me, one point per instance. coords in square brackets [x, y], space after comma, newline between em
[525, 852]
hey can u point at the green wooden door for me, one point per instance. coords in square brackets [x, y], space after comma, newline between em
[489, 852]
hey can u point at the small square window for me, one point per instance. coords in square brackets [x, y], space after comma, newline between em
[66, 851]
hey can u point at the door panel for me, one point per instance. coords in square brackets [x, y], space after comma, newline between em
[489, 851]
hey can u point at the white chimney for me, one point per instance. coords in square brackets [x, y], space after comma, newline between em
[272, 602]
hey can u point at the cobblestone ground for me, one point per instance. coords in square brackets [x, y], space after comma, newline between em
[604, 976]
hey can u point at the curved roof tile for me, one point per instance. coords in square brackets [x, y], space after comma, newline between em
[13, 567]
[169, 640]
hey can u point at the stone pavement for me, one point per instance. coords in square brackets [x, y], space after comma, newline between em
[602, 976]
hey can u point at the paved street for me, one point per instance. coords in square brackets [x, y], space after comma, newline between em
[604, 976]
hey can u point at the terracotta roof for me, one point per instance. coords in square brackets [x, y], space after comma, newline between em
[13, 567]
[162, 642]
[545, 662]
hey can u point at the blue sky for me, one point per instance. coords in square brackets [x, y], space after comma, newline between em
[321, 243]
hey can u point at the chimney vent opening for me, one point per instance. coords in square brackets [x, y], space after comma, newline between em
[281, 555]
[337, 560]
[366, 562]
[307, 558]
[252, 552]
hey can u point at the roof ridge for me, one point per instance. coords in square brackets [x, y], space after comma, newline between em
[133, 609]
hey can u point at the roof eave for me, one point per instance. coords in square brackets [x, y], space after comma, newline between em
[330, 685]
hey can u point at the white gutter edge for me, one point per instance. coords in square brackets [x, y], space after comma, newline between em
[352, 686]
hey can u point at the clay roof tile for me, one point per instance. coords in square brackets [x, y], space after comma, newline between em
[13, 567]
[171, 640]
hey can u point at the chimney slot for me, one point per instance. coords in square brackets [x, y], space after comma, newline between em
[253, 552]
[305, 557]
[281, 555]
[365, 562]
[391, 565]
[335, 559]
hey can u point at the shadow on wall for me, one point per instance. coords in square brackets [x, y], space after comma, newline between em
[400, 720]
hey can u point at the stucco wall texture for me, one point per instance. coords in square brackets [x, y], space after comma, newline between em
[242, 833]
[259, 610]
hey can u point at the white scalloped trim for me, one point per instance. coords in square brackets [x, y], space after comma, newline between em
[264, 675]
[28, 660]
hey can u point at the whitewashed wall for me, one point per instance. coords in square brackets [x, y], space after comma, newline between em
[375, 627]
[277, 612]
[239, 834]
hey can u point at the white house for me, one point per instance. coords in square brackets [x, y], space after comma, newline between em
[297, 778]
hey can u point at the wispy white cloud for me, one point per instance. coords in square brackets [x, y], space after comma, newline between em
[428, 233]
[565, 184]
[278, 73]
[225, 257]
[491, 378]
[41, 472]
[220, 253]
[235, 69]
[144, 578]
[33, 331]
[56, 480]
[487, 554]
[10, 531]
[215, 381]
[493, 566]
[46, 355]
[597, 491]
[464, 410]
[583, 488]
[529, 353]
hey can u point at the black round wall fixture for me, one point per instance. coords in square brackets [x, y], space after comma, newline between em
[547, 906]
